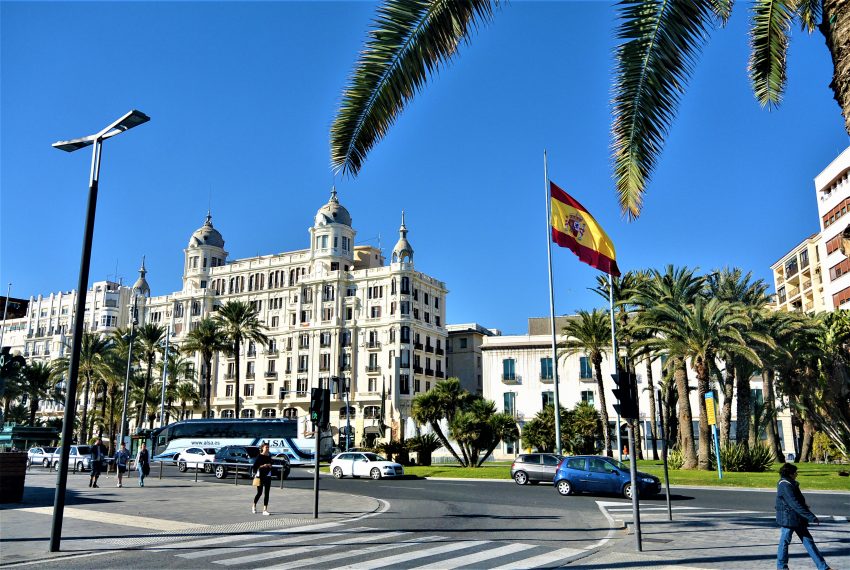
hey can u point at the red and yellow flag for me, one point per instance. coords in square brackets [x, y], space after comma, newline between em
[573, 227]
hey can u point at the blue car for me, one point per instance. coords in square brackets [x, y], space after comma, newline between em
[597, 474]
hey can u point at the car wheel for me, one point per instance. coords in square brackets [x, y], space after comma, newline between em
[208, 468]
[375, 473]
[56, 466]
[79, 466]
[45, 463]
[220, 471]
[534, 482]
[627, 491]
[182, 466]
[337, 473]
[521, 478]
[564, 487]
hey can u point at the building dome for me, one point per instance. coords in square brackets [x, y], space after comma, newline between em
[403, 251]
[333, 212]
[141, 287]
[206, 235]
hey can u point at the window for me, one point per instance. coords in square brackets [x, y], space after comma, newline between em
[404, 307]
[248, 390]
[587, 397]
[250, 372]
[371, 412]
[303, 363]
[405, 334]
[228, 391]
[301, 386]
[227, 413]
[510, 403]
[269, 389]
[247, 413]
[548, 399]
[462, 342]
[436, 302]
[405, 285]
[269, 413]
[404, 383]
[576, 463]
[349, 412]
[304, 340]
[275, 321]
[586, 371]
[508, 369]
[291, 413]
[546, 372]
[375, 312]
[327, 313]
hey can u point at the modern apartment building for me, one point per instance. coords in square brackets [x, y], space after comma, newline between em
[798, 278]
[832, 187]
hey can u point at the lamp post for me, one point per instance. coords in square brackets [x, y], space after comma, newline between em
[164, 377]
[132, 119]
[133, 322]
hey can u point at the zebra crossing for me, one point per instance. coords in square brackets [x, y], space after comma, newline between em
[333, 545]
[622, 511]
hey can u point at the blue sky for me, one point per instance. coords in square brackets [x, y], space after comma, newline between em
[241, 97]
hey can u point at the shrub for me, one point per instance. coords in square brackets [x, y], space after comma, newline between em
[823, 448]
[424, 445]
[760, 459]
[675, 459]
[736, 457]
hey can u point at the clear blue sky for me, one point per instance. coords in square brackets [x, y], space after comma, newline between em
[241, 97]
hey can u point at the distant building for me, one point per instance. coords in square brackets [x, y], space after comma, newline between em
[464, 354]
[798, 278]
[832, 187]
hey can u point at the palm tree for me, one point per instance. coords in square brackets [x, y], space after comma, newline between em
[11, 378]
[590, 333]
[239, 323]
[413, 39]
[149, 339]
[699, 332]
[180, 369]
[207, 339]
[443, 401]
[93, 366]
[186, 392]
[38, 384]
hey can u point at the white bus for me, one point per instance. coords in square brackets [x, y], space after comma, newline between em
[280, 433]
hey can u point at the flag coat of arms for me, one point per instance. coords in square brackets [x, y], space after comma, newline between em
[573, 227]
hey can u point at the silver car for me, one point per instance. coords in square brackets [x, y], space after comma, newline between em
[79, 458]
[41, 456]
[535, 467]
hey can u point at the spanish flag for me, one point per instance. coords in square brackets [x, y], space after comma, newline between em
[575, 228]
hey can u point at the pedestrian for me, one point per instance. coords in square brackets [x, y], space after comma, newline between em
[122, 457]
[143, 465]
[96, 461]
[793, 516]
[262, 478]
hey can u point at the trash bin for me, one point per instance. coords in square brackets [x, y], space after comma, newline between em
[13, 471]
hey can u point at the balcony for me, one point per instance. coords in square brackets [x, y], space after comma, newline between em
[807, 285]
[440, 374]
[301, 394]
[429, 348]
[417, 369]
[511, 379]
[324, 367]
[373, 369]
[546, 379]
[417, 345]
[229, 376]
[429, 371]
[782, 299]
[373, 345]
[272, 352]
[270, 374]
[249, 375]
[303, 369]
[791, 270]
[439, 351]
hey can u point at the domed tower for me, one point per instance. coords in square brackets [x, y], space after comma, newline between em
[139, 295]
[206, 250]
[141, 287]
[403, 251]
[332, 238]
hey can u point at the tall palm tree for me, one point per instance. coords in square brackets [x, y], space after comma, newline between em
[180, 369]
[186, 392]
[38, 385]
[11, 378]
[443, 401]
[590, 333]
[699, 332]
[149, 338]
[207, 339]
[239, 322]
[93, 351]
[411, 40]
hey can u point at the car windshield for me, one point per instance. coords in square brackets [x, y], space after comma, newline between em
[209, 451]
[618, 465]
[374, 457]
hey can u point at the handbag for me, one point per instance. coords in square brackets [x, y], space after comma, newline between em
[256, 482]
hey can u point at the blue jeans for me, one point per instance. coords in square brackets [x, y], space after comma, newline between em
[142, 478]
[785, 536]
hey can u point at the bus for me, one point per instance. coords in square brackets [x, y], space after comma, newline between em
[280, 433]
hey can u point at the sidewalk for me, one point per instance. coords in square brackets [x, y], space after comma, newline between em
[109, 518]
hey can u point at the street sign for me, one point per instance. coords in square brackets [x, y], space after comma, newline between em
[710, 408]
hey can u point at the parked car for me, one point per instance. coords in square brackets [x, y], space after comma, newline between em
[40, 456]
[597, 474]
[535, 467]
[230, 457]
[197, 458]
[364, 465]
[169, 457]
[79, 458]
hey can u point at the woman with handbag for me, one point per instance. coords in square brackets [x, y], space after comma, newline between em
[143, 463]
[262, 478]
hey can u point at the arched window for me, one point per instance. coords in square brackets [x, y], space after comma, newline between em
[291, 413]
[248, 413]
[227, 413]
[212, 414]
[347, 412]
[269, 413]
[371, 412]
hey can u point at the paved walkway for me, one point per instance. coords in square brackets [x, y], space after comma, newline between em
[108, 518]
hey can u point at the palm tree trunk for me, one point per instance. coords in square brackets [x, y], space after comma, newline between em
[744, 410]
[808, 435]
[704, 429]
[773, 444]
[653, 427]
[686, 429]
[726, 411]
[112, 446]
[835, 27]
[208, 376]
[603, 408]
[236, 390]
[83, 424]
[33, 410]
[436, 427]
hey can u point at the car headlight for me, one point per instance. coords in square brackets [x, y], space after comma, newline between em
[648, 480]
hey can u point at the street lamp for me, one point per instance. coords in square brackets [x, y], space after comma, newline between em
[132, 119]
[133, 322]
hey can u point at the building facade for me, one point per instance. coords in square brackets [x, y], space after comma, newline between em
[464, 355]
[832, 187]
[798, 278]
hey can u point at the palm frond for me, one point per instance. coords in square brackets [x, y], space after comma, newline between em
[661, 41]
[409, 41]
[769, 32]
[722, 9]
[809, 12]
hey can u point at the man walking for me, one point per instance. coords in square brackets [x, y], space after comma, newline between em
[793, 516]
[122, 457]
[98, 455]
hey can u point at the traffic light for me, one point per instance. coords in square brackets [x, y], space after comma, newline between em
[626, 393]
[320, 406]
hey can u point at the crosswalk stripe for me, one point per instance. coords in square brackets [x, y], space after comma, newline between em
[279, 540]
[437, 550]
[542, 559]
[275, 553]
[359, 552]
[837, 518]
[200, 543]
[643, 509]
[477, 557]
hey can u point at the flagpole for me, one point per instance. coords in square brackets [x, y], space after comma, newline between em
[614, 362]
[552, 305]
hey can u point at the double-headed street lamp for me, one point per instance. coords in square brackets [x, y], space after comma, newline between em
[132, 119]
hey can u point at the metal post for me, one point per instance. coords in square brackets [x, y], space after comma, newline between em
[635, 486]
[717, 451]
[5, 309]
[129, 369]
[614, 361]
[164, 375]
[347, 414]
[160, 470]
[664, 455]
[74, 367]
[317, 435]
[552, 305]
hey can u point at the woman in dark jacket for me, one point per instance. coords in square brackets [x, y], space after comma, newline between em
[263, 472]
[794, 516]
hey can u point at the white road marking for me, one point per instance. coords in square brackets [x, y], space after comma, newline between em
[359, 552]
[116, 519]
[542, 559]
[404, 557]
[260, 541]
[477, 557]
[200, 543]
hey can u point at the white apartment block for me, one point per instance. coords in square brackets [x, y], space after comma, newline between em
[519, 378]
[337, 314]
[798, 278]
[832, 187]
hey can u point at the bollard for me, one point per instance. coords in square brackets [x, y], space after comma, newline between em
[160, 470]
[281, 478]
[196, 474]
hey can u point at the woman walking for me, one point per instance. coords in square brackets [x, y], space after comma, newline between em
[262, 478]
[122, 457]
[793, 516]
[143, 463]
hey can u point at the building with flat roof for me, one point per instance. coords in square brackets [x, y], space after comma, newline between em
[832, 187]
[798, 278]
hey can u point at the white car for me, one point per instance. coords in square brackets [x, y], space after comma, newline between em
[364, 465]
[41, 456]
[196, 458]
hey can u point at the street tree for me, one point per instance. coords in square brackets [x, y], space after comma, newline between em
[207, 339]
[239, 321]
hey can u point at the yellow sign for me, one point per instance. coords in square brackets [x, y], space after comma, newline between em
[709, 408]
